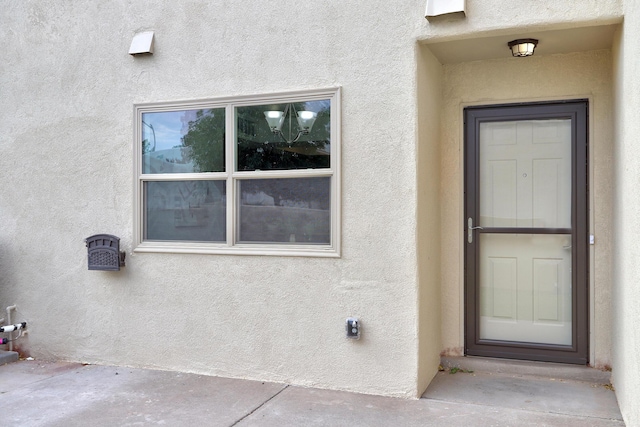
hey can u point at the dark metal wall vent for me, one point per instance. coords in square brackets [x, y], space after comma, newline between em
[104, 252]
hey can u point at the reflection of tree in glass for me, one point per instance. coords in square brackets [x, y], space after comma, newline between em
[258, 147]
[205, 141]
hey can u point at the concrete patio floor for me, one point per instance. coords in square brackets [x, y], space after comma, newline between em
[39, 393]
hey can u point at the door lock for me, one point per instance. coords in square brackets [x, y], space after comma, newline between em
[470, 229]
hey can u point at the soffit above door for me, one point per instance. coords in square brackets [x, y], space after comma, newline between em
[550, 42]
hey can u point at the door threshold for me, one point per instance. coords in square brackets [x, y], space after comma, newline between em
[561, 371]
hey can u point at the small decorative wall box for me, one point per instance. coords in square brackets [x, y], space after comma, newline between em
[104, 252]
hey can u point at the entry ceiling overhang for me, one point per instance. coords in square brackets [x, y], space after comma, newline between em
[550, 42]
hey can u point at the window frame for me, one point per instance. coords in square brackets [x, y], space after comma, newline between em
[232, 178]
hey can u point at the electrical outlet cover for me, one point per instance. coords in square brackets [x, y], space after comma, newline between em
[353, 328]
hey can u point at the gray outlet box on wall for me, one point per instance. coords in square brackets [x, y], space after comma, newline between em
[353, 328]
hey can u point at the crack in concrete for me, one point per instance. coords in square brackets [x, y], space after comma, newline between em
[260, 406]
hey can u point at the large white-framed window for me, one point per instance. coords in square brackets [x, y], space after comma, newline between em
[240, 175]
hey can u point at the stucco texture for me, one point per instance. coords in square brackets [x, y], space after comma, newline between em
[569, 76]
[626, 292]
[507, 17]
[430, 75]
[68, 88]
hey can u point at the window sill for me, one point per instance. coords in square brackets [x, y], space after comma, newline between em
[239, 249]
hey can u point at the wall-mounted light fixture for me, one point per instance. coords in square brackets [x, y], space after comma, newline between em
[305, 119]
[522, 47]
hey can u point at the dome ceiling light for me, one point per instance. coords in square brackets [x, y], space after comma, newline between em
[522, 47]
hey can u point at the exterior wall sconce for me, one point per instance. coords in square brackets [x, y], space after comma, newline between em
[305, 119]
[142, 43]
[522, 47]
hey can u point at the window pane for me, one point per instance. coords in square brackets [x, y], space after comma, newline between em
[525, 288]
[284, 136]
[185, 210]
[285, 210]
[184, 141]
[525, 173]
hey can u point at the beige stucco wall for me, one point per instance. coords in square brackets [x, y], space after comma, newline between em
[490, 17]
[575, 75]
[493, 81]
[626, 205]
[68, 87]
[430, 75]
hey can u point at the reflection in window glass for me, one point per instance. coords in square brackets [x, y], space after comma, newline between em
[284, 136]
[185, 210]
[248, 175]
[183, 141]
[285, 210]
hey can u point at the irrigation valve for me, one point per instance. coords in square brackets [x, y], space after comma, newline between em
[353, 328]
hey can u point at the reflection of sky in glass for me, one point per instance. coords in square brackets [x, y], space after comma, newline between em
[317, 106]
[169, 127]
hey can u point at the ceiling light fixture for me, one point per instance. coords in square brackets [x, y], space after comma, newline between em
[522, 47]
[275, 119]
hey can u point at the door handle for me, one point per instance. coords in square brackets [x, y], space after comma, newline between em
[470, 229]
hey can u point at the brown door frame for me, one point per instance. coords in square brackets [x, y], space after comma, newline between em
[577, 111]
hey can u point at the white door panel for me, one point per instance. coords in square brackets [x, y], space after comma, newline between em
[525, 288]
[525, 279]
[525, 181]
